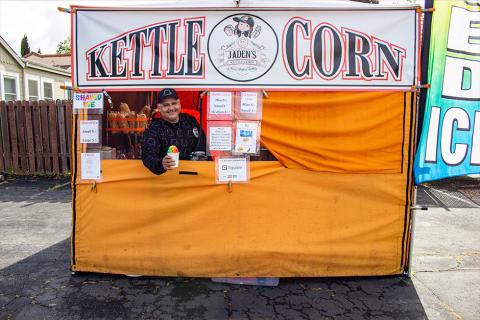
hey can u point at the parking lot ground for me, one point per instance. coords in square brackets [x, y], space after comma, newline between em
[35, 282]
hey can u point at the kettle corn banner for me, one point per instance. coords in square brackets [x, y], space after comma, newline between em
[305, 49]
[450, 140]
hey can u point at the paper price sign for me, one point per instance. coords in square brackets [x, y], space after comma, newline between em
[232, 169]
[220, 103]
[220, 138]
[248, 102]
[246, 137]
[87, 100]
[90, 166]
[89, 132]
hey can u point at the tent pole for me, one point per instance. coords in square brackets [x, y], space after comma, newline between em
[414, 207]
[412, 233]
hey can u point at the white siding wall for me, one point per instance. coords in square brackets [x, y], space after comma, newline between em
[10, 67]
[46, 77]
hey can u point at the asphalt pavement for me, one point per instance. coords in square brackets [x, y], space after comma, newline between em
[35, 282]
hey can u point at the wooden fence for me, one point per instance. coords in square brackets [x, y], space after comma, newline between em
[35, 137]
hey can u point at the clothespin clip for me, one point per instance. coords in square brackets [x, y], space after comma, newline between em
[419, 208]
[64, 87]
[203, 94]
[421, 86]
[66, 10]
[230, 186]
[108, 98]
[428, 10]
[94, 187]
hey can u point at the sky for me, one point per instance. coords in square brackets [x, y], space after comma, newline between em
[40, 20]
[43, 24]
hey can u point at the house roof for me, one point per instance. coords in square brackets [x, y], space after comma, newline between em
[12, 52]
[60, 64]
[61, 61]
[44, 67]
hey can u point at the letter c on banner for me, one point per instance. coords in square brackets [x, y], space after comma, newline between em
[459, 152]
[294, 30]
[475, 156]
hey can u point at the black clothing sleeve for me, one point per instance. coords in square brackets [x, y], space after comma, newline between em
[151, 150]
[202, 140]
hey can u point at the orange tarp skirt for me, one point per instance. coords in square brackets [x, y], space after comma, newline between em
[309, 214]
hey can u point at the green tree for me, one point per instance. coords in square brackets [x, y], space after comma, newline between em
[24, 46]
[63, 46]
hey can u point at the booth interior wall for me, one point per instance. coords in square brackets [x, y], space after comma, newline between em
[294, 218]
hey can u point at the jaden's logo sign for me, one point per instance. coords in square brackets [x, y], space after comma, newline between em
[242, 47]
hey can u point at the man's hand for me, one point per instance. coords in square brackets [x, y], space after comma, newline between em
[168, 162]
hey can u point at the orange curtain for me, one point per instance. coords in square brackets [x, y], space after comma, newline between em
[335, 131]
[284, 222]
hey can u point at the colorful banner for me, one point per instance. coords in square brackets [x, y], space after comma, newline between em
[304, 49]
[450, 141]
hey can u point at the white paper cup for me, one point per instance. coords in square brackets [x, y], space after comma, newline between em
[176, 157]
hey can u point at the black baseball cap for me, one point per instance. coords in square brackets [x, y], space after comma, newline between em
[245, 19]
[166, 93]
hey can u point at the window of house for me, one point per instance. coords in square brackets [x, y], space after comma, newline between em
[10, 88]
[33, 90]
[47, 86]
[9, 84]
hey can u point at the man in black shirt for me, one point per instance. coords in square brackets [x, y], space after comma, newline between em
[170, 127]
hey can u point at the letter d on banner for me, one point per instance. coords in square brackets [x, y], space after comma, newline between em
[450, 140]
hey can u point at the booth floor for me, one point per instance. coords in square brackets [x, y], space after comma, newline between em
[35, 282]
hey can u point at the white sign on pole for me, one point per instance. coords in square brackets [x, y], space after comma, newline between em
[220, 138]
[89, 131]
[248, 102]
[90, 166]
[220, 103]
[88, 101]
[256, 48]
[246, 137]
[232, 170]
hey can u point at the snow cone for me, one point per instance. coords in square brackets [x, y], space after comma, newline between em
[175, 154]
